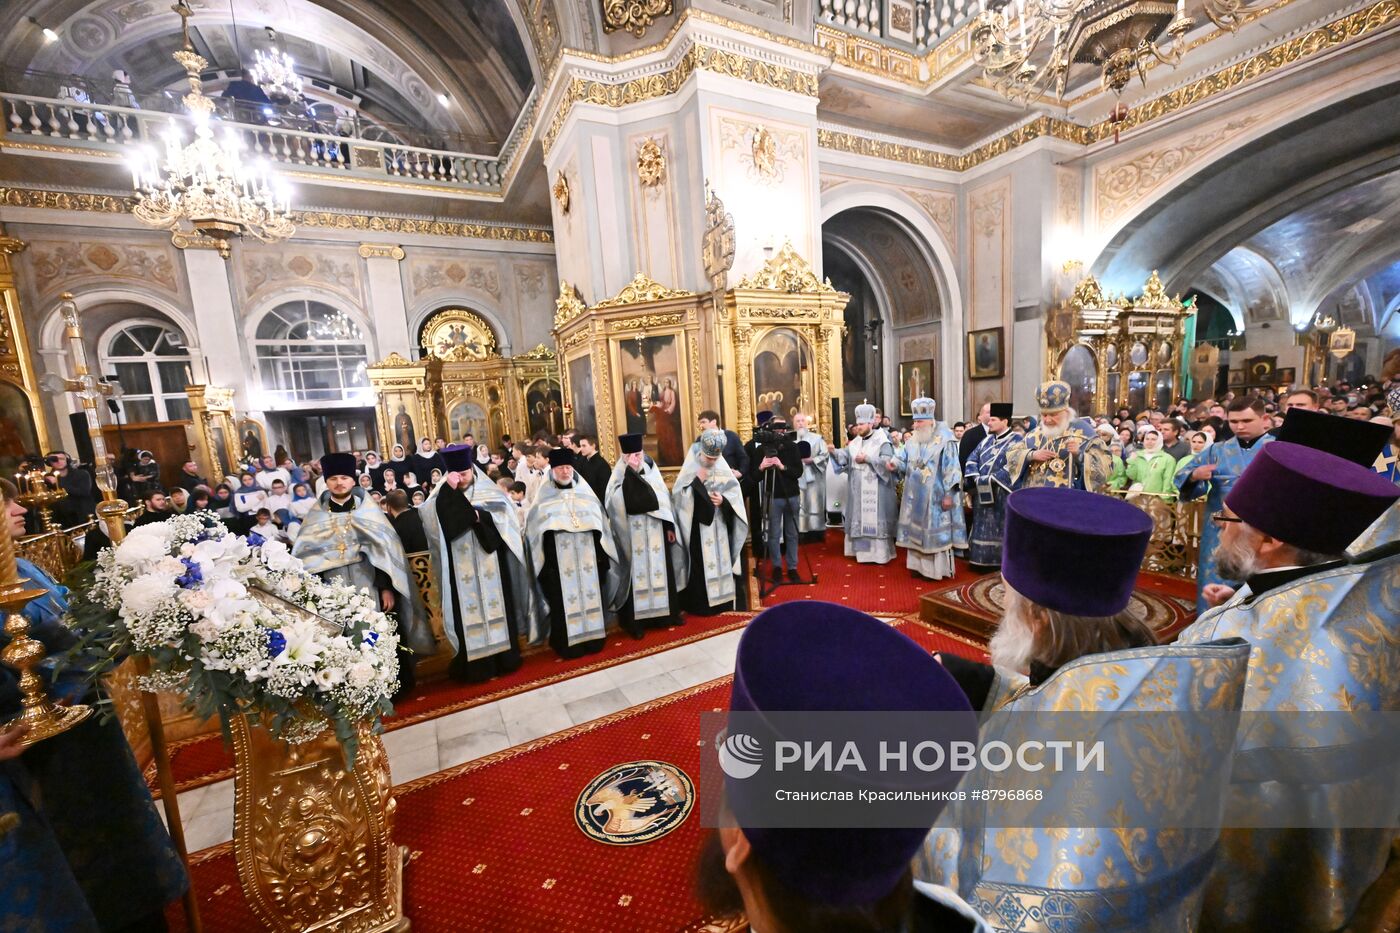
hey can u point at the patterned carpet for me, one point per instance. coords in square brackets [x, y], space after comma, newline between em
[494, 846]
[974, 606]
[205, 759]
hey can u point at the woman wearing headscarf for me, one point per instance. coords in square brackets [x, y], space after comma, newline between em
[422, 464]
[1151, 469]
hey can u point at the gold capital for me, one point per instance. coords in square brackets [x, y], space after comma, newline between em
[381, 251]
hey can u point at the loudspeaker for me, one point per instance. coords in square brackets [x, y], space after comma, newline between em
[838, 430]
[82, 443]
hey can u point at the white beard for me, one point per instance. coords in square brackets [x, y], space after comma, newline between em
[1013, 643]
[1053, 431]
[923, 435]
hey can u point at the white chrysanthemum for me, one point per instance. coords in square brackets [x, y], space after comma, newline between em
[140, 551]
[145, 593]
[360, 674]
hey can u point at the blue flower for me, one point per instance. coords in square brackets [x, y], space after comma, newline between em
[255, 539]
[276, 643]
[191, 576]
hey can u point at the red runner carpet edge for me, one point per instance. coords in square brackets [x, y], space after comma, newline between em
[493, 846]
[204, 759]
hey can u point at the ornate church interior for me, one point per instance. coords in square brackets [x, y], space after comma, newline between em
[490, 384]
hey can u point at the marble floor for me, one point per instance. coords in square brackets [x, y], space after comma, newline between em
[448, 741]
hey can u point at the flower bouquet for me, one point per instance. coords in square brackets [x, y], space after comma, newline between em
[236, 626]
[283, 658]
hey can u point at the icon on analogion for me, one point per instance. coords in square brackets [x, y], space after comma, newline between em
[635, 802]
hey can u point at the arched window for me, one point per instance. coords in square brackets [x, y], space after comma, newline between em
[311, 352]
[152, 364]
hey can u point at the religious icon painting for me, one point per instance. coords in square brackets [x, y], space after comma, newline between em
[635, 802]
[17, 427]
[986, 357]
[467, 416]
[581, 394]
[649, 370]
[544, 405]
[782, 373]
[915, 381]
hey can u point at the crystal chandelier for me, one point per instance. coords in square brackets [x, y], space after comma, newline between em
[337, 326]
[1027, 46]
[276, 73]
[208, 183]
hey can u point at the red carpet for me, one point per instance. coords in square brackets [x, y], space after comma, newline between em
[494, 845]
[206, 759]
[887, 588]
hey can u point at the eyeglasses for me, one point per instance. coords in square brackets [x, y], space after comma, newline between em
[1222, 518]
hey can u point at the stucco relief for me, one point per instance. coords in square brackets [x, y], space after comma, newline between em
[57, 264]
[432, 275]
[942, 209]
[1069, 193]
[766, 152]
[530, 280]
[1122, 184]
[304, 264]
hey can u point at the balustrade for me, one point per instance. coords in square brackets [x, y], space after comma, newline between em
[933, 20]
[105, 127]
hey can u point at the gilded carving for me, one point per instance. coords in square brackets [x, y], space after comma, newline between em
[392, 361]
[695, 384]
[654, 86]
[646, 322]
[567, 306]
[381, 251]
[313, 838]
[765, 153]
[651, 164]
[786, 271]
[541, 352]
[445, 274]
[446, 228]
[633, 15]
[1120, 185]
[182, 240]
[642, 288]
[561, 192]
[458, 335]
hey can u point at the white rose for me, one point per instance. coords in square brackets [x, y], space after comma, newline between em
[360, 674]
[196, 600]
[141, 596]
[141, 550]
[205, 630]
[171, 566]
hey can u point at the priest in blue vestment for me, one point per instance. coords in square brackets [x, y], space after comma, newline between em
[1212, 473]
[931, 521]
[1322, 626]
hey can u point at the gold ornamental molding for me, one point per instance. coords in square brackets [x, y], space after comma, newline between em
[663, 84]
[329, 220]
[381, 251]
[568, 305]
[392, 361]
[1318, 41]
[643, 288]
[786, 271]
[541, 353]
[561, 192]
[651, 164]
[458, 335]
[198, 241]
[633, 15]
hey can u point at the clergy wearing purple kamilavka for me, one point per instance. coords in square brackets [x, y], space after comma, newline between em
[820, 657]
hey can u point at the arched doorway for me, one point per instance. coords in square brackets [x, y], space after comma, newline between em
[893, 349]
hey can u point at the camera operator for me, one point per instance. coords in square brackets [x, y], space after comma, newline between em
[78, 505]
[776, 490]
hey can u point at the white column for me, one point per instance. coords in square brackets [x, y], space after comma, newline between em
[216, 320]
[387, 309]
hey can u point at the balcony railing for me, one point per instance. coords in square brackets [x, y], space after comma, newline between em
[916, 24]
[106, 127]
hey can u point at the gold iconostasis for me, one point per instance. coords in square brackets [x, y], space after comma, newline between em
[651, 358]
